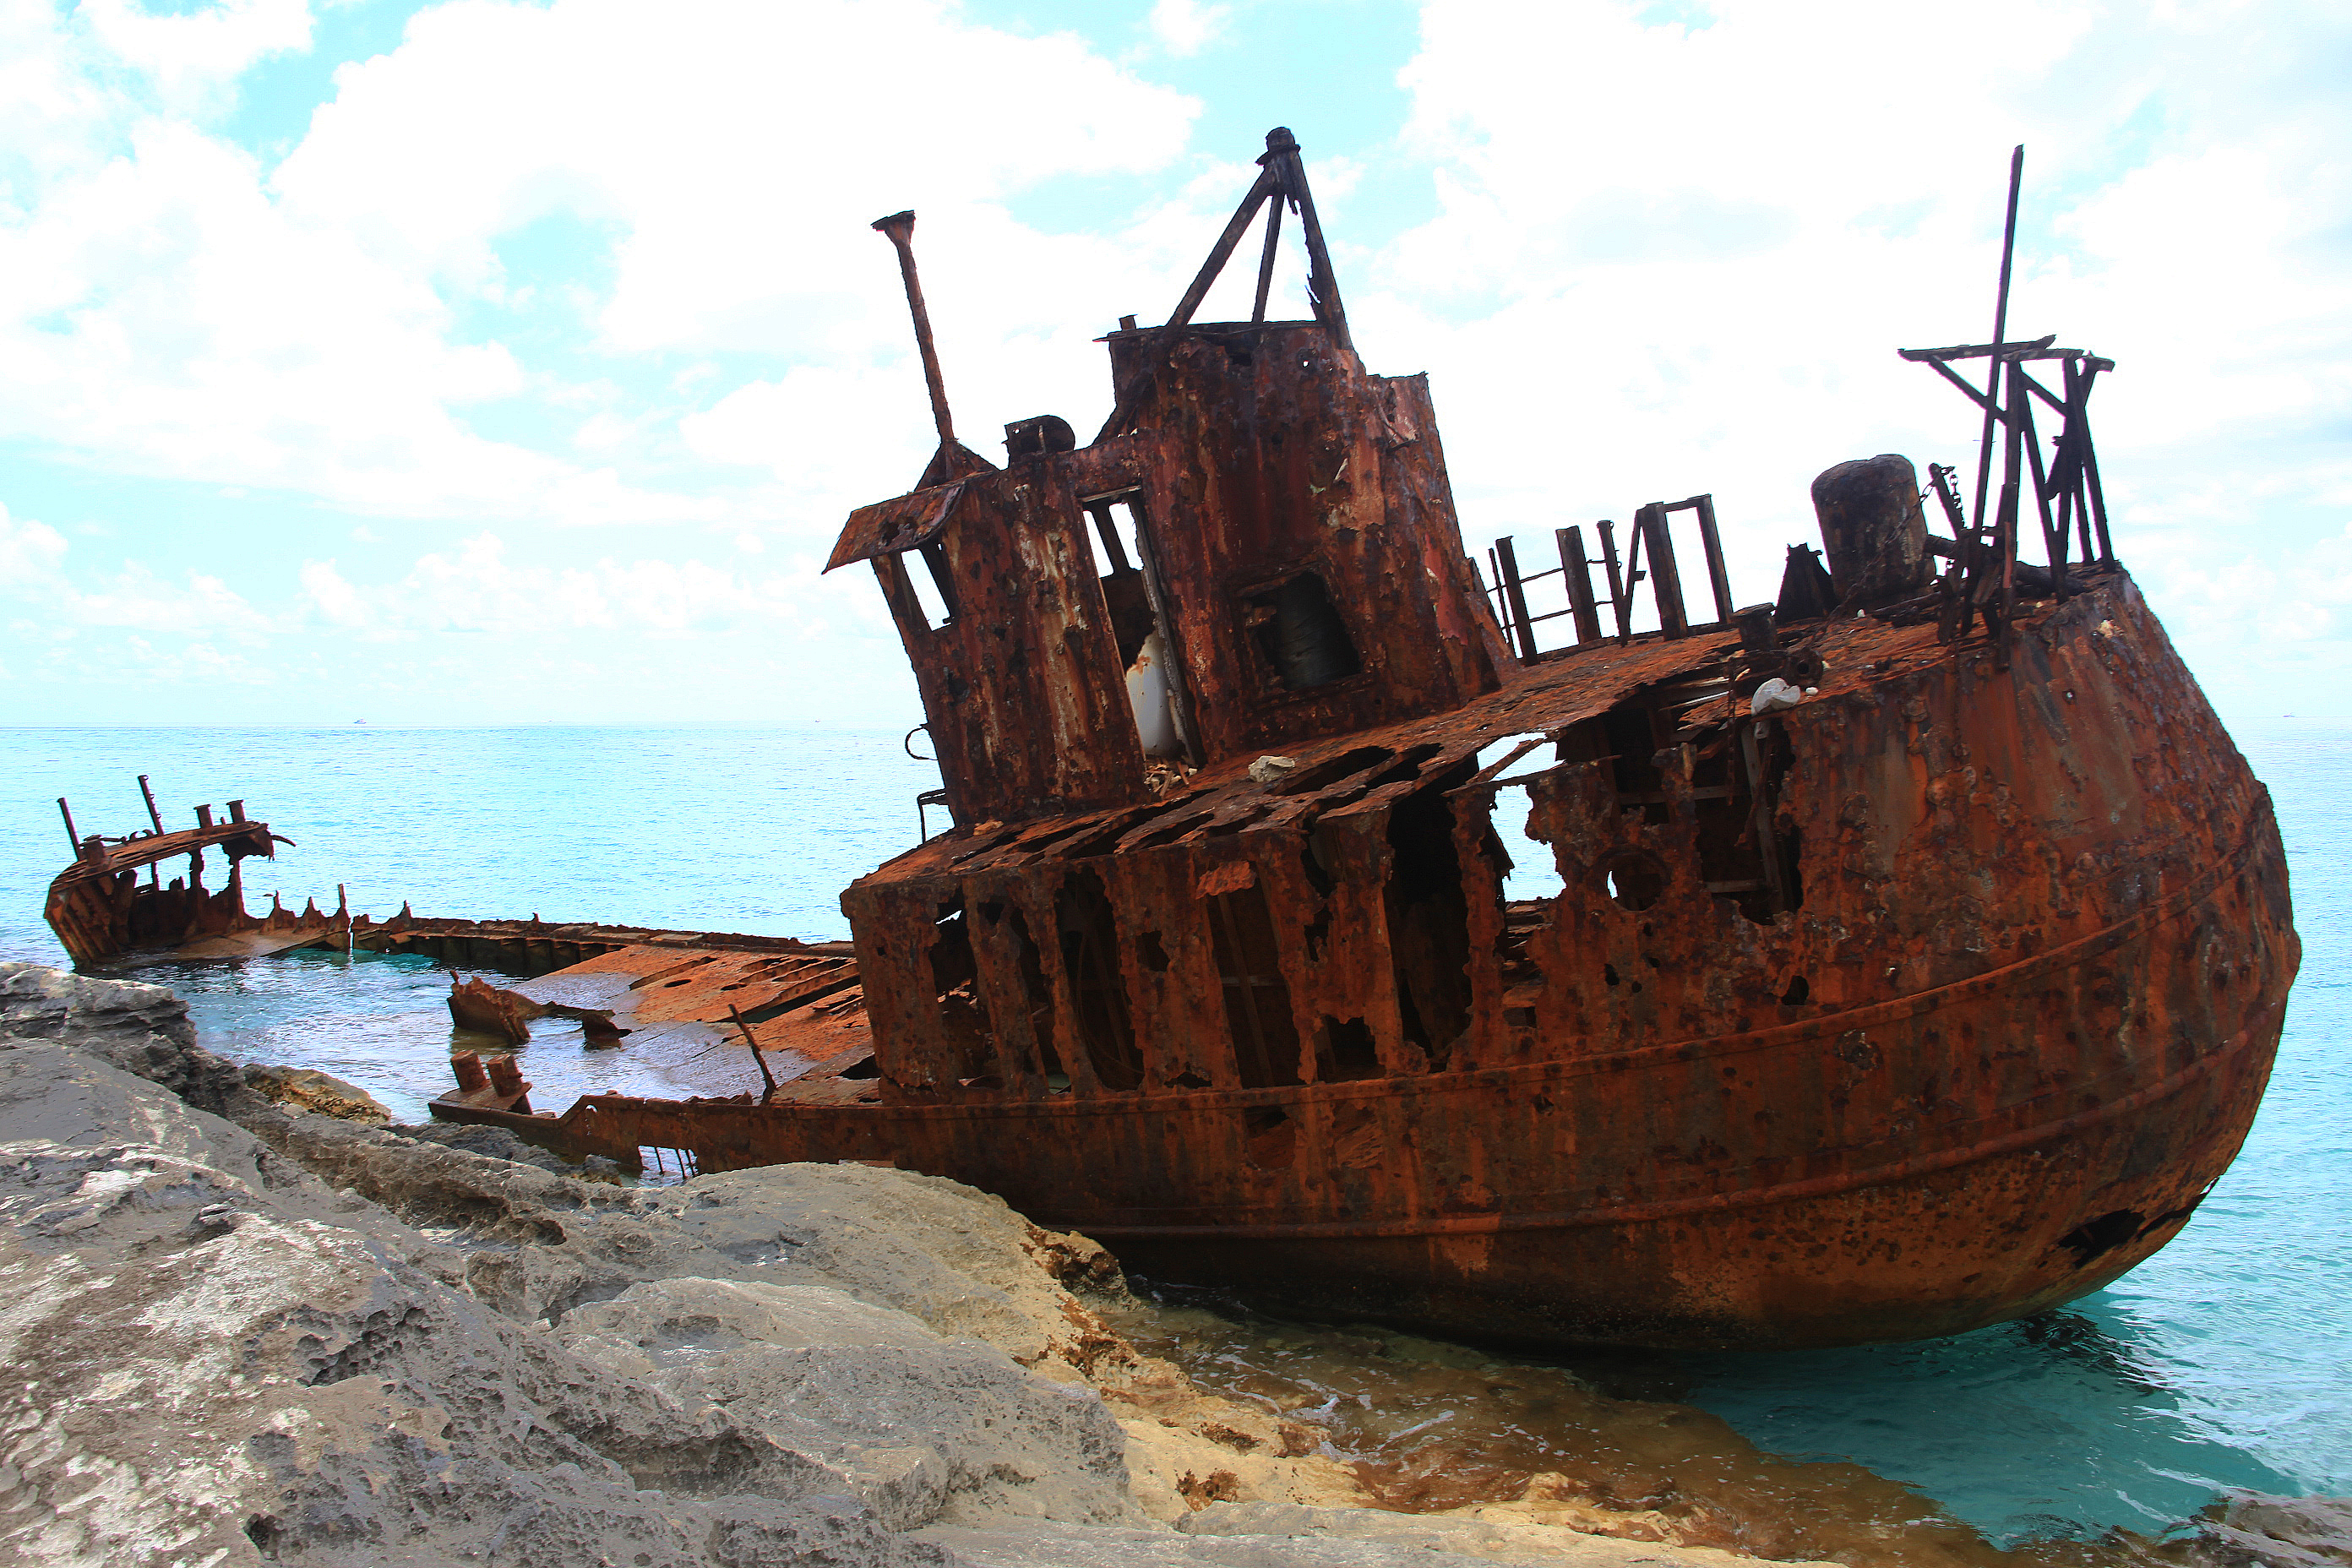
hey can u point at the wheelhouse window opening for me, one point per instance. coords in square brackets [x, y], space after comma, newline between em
[1089, 939]
[1535, 869]
[1429, 919]
[927, 588]
[1114, 521]
[1301, 640]
[1138, 622]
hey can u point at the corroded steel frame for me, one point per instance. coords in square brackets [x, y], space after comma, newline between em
[2043, 930]
[1940, 998]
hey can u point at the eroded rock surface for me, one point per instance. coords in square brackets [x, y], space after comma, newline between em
[209, 1368]
[928, 1427]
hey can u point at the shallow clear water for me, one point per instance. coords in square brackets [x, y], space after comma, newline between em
[2226, 1360]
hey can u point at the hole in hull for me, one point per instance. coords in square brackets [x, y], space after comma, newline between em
[2095, 1238]
[1257, 993]
[1344, 1050]
[1429, 920]
[1089, 934]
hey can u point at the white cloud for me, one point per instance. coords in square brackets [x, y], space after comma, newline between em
[137, 598]
[602, 263]
[478, 588]
[1672, 257]
[31, 555]
[192, 56]
[1187, 27]
[340, 326]
[739, 202]
[33, 567]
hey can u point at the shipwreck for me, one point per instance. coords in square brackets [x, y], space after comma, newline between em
[1922, 943]
[101, 911]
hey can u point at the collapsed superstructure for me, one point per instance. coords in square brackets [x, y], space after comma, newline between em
[1921, 946]
[100, 910]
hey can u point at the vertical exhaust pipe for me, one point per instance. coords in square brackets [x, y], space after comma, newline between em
[900, 228]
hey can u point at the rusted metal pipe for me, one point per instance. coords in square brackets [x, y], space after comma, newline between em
[1155, 348]
[899, 230]
[1618, 585]
[72, 837]
[1718, 575]
[1267, 184]
[1507, 568]
[1665, 581]
[1322, 284]
[758, 1058]
[2053, 543]
[2000, 328]
[1577, 569]
[1266, 262]
[153, 815]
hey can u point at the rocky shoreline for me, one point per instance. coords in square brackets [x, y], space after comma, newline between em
[251, 1321]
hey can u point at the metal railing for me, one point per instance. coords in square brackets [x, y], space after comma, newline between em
[1652, 532]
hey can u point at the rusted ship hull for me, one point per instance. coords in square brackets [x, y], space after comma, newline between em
[2044, 940]
[1922, 943]
[101, 911]
[1909, 1246]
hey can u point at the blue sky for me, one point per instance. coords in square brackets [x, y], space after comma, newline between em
[482, 363]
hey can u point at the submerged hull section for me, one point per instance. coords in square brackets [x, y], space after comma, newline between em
[2015, 1019]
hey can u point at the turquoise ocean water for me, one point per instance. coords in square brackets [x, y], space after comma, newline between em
[2225, 1361]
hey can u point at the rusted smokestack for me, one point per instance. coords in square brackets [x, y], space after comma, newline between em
[1874, 531]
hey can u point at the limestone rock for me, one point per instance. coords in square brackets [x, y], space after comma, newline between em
[499, 1143]
[933, 1427]
[203, 1377]
[2250, 1530]
[142, 1029]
